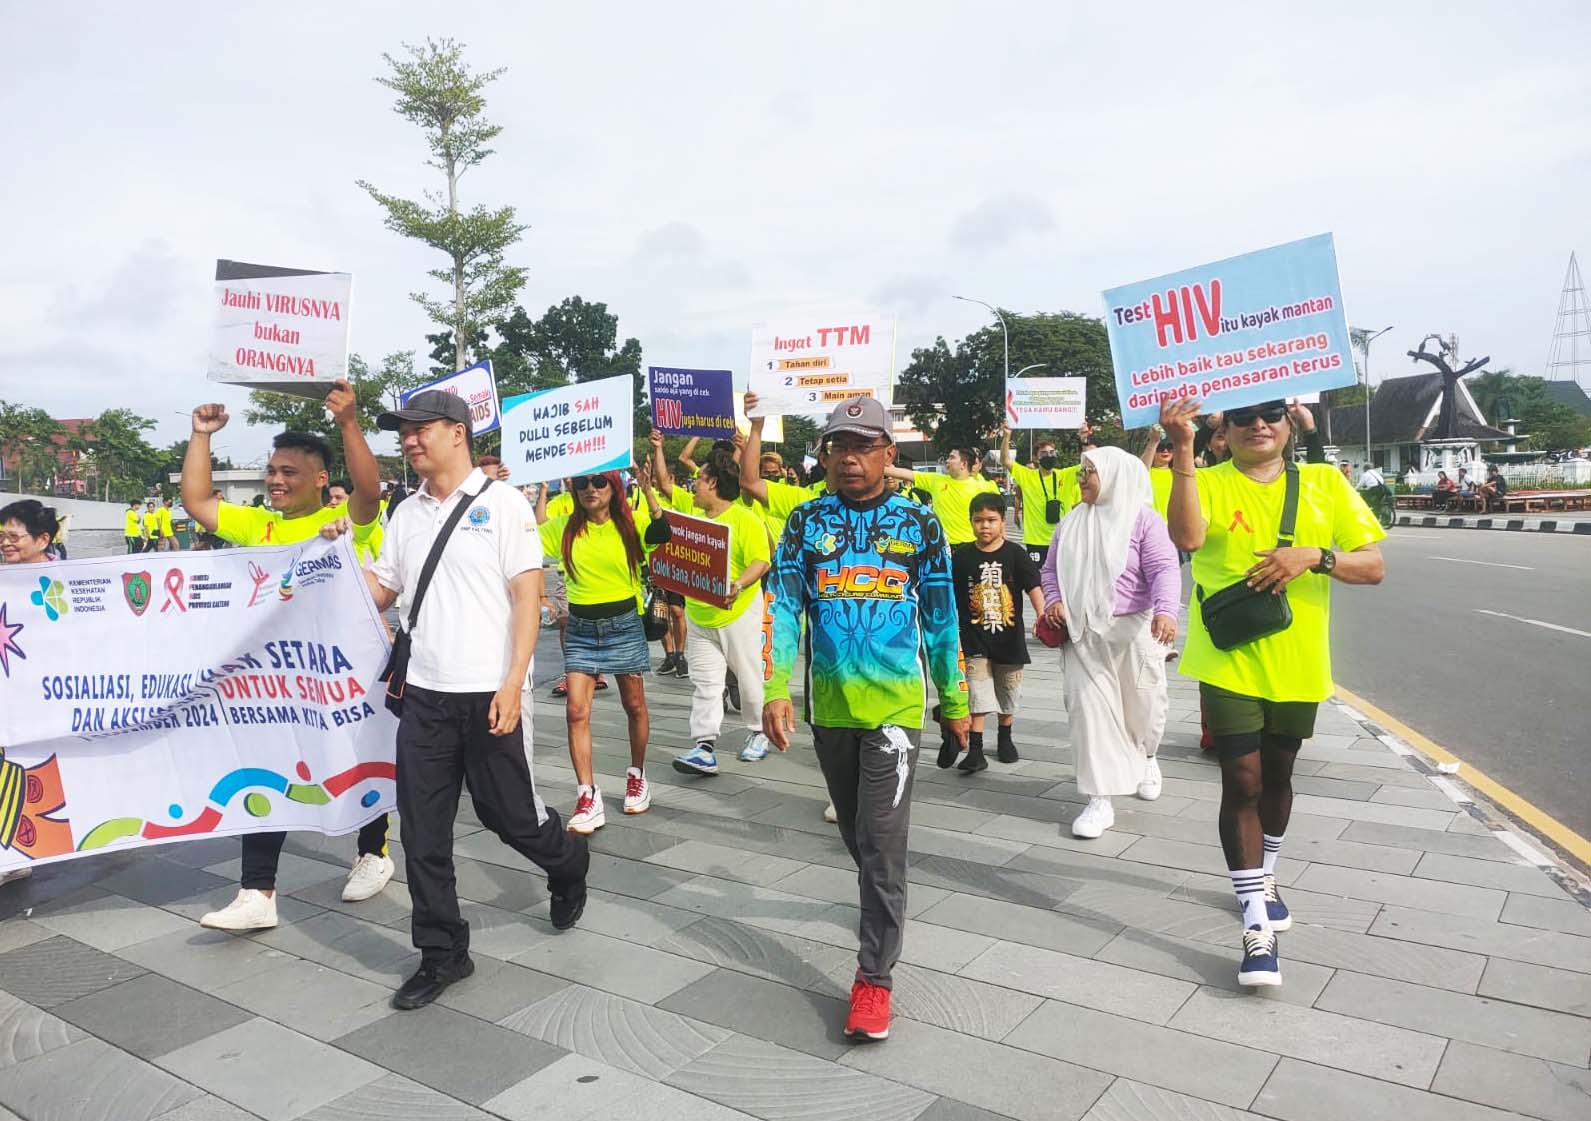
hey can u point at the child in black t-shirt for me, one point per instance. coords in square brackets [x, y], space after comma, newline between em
[991, 576]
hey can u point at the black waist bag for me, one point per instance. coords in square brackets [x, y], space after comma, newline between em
[395, 675]
[1238, 614]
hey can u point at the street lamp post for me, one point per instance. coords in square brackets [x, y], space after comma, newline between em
[1368, 339]
[1019, 373]
[1004, 330]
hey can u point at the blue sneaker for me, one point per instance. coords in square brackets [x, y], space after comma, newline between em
[756, 749]
[1260, 964]
[699, 760]
[1275, 910]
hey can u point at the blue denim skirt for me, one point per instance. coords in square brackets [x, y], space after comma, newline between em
[616, 645]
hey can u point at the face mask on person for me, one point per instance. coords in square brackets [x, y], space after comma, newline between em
[1047, 462]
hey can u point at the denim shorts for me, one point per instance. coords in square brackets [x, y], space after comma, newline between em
[615, 645]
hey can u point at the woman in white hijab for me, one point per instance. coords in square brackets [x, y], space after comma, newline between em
[1111, 577]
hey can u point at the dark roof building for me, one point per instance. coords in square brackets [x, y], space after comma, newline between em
[1405, 411]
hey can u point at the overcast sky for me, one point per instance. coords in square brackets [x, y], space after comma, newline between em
[702, 166]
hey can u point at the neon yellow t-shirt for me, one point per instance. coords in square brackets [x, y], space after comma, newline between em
[951, 499]
[1241, 516]
[165, 522]
[1036, 493]
[748, 544]
[681, 499]
[1160, 483]
[601, 572]
[258, 525]
[152, 523]
[134, 526]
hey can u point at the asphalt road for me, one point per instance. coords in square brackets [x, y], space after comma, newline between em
[1503, 692]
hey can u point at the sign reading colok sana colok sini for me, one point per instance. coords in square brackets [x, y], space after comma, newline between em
[1046, 402]
[691, 402]
[280, 329]
[477, 386]
[571, 430]
[693, 562]
[804, 367]
[200, 695]
[1263, 326]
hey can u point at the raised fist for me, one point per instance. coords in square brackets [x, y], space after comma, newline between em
[209, 418]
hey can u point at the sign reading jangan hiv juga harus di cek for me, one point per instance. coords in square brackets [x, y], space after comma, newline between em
[804, 367]
[1264, 326]
[280, 329]
[572, 430]
[692, 402]
[694, 561]
[202, 694]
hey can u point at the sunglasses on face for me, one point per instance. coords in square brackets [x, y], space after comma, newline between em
[593, 482]
[1242, 418]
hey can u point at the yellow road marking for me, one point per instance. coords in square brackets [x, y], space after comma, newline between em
[1532, 815]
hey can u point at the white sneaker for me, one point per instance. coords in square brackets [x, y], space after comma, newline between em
[829, 815]
[1098, 816]
[251, 910]
[16, 874]
[1149, 786]
[637, 794]
[589, 815]
[370, 874]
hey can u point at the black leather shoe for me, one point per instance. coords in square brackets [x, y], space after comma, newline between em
[431, 981]
[568, 904]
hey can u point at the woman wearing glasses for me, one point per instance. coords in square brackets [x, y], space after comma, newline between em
[1111, 577]
[1268, 537]
[600, 543]
[27, 530]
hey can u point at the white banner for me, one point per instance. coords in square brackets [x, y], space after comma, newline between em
[280, 329]
[1046, 402]
[478, 388]
[575, 429]
[804, 367]
[146, 700]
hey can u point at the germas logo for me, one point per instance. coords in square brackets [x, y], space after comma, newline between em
[52, 597]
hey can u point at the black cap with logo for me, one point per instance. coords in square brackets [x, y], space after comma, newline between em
[431, 405]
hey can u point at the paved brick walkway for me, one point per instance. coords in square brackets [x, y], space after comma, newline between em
[1430, 973]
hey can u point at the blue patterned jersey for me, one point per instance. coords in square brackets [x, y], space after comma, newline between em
[872, 580]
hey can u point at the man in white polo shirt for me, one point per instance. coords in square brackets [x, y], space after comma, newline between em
[470, 659]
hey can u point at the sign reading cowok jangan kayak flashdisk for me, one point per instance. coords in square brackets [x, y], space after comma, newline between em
[279, 328]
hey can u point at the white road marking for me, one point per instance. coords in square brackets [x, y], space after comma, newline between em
[1533, 622]
[1488, 564]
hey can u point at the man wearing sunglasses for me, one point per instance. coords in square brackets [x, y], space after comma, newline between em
[869, 573]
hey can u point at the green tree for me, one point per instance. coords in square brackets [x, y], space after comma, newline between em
[1547, 426]
[120, 462]
[437, 91]
[282, 412]
[576, 340]
[972, 377]
[28, 441]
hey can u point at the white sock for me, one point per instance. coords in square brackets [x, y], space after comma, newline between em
[1249, 884]
[583, 789]
[1273, 849]
[636, 771]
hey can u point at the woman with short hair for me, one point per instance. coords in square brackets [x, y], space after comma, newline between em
[1260, 526]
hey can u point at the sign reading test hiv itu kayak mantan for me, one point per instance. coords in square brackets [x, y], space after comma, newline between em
[1259, 327]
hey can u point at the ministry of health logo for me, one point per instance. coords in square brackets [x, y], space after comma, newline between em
[52, 597]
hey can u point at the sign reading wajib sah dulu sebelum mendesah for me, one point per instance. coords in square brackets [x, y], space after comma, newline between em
[1263, 326]
[281, 329]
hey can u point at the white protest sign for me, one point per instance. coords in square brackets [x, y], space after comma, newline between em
[1046, 402]
[157, 697]
[804, 367]
[575, 429]
[478, 388]
[772, 427]
[280, 329]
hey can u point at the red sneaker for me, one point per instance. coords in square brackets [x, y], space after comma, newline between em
[869, 1018]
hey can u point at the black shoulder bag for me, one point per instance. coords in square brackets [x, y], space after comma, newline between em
[1238, 614]
[396, 674]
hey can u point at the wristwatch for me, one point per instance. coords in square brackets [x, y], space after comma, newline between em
[1328, 561]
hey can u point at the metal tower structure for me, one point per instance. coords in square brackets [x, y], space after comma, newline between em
[1569, 357]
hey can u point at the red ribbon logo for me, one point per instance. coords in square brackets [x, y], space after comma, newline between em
[1237, 520]
[174, 582]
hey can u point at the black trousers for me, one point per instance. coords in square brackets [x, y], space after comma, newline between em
[262, 852]
[443, 743]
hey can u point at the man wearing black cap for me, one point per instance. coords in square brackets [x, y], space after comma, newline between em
[470, 659]
[870, 572]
